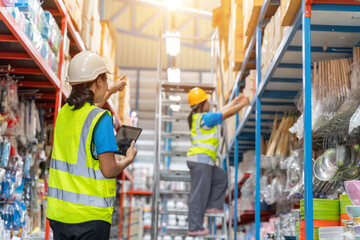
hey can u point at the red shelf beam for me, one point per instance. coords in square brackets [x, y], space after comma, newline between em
[16, 56]
[8, 38]
[139, 192]
[35, 84]
[240, 183]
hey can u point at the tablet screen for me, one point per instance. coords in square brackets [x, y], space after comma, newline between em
[125, 136]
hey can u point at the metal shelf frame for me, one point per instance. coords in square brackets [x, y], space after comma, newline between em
[306, 32]
[23, 53]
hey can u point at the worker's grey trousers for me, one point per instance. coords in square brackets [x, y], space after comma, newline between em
[208, 190]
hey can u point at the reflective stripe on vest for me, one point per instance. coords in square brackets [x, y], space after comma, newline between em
[204, 145]
[79, 198]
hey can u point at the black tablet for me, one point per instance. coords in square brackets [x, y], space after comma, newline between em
[125, 136]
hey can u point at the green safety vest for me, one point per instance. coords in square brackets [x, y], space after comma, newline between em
[78, 191]
[203, 141]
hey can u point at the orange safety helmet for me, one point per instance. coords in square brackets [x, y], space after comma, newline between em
[196, 96]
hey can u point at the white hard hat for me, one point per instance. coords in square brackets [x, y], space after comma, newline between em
[86, 66]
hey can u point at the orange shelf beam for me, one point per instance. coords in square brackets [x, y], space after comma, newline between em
[139, 192]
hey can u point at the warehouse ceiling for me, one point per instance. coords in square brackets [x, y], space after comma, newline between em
[138, 24]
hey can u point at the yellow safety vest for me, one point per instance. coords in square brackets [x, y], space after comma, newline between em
[203, 141]
[78, 191]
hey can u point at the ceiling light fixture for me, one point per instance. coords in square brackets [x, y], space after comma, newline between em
[175, 98]
[175, 107]
[172, 4]
[172, 43]
[173, 75]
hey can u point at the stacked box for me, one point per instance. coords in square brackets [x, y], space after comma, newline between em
[75, 9]
[289, 9]
[108, 46]
[251, 11]
[136, 223]
[124, 104]
[217, 17]
[236, 33]
[250, 85]
[91, 31]
[273, 35]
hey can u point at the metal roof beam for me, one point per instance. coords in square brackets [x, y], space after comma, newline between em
[119, 12]
[147, 36]
[185, 23]
[149, 20]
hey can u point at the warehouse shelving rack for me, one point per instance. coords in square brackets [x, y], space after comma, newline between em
[316, 23]
[27, 61]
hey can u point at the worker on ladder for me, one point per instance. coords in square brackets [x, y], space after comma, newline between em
[83, 167]
[208, 181]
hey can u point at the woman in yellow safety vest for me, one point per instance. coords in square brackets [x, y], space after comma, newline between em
[208, 181]
[81, 192]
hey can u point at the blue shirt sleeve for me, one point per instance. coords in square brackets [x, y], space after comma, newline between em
[209, 120]
[104, 138]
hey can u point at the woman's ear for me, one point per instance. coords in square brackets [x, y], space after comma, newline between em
[99, 81]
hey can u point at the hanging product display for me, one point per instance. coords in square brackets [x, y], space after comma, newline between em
[21, 188]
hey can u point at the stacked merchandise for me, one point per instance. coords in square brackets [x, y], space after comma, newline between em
[124, 104]
[135, 221]
[344, 201]
[108, 46]
[22, 164]
[273, 35]
[326, 213]
[91, 30]
[75, 8]
[40, 27]
[251, 10]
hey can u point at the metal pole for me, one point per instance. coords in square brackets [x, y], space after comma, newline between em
[258, 132]
[58, 94]
[236, 164]
[306, 51]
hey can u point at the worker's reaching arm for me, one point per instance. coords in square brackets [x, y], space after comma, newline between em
[110, 167]
[232, 103]
[235, 106]
[119, 85]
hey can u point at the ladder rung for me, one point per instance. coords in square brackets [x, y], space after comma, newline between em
[186, 87]
[175, 134]
[222, 215]
[173, 153]
[180, 176]
[176, 118]
[184, 234]
[169, 192]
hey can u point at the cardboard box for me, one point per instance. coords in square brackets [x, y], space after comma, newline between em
[289, 9]
[95, 39]
[136, 229]
[251, 11]
[108, 45]
[217, 17]
[236, 41]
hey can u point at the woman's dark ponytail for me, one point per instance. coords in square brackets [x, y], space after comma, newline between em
[81, 93]
[199, 106]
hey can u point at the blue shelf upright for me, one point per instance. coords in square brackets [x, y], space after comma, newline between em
[318, 23]
[306, 69]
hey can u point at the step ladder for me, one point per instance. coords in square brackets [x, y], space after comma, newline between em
[164, 138]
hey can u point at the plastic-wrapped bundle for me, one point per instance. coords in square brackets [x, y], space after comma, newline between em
[34, 35]
[19, 17]
[9, 3]
[51, 32]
